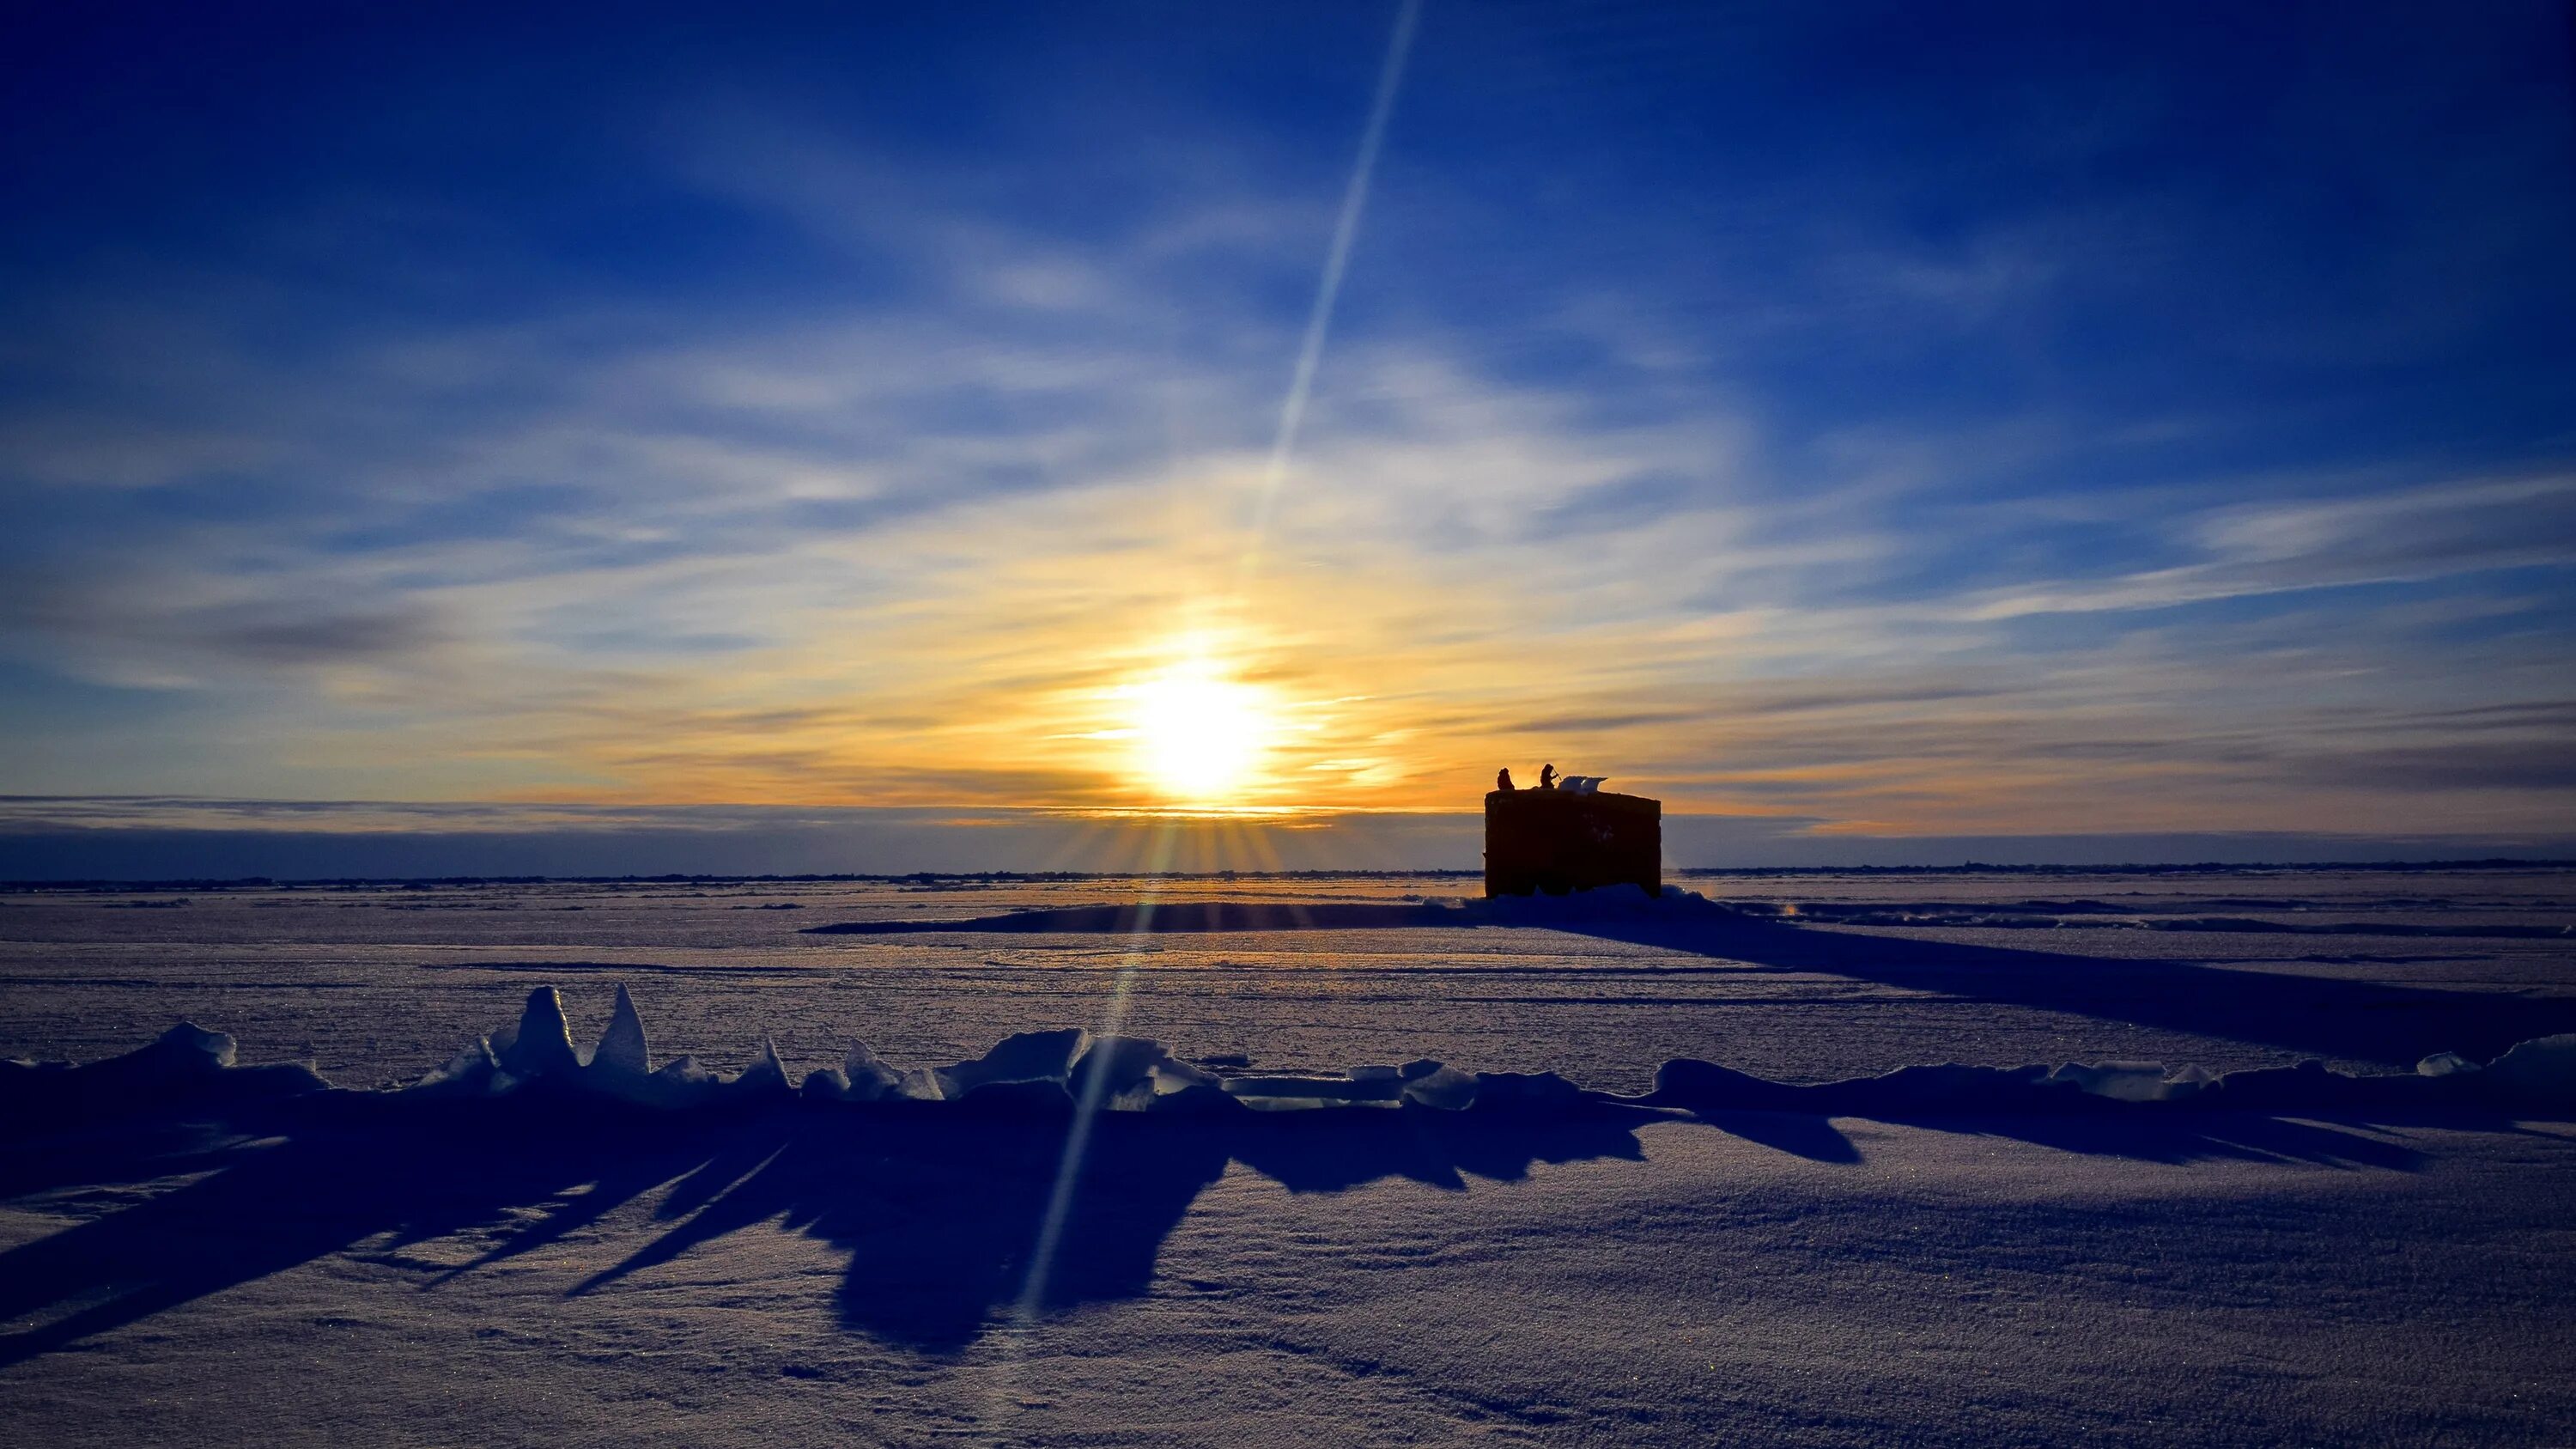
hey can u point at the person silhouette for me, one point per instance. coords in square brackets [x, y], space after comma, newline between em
[1503, 779]
[1547, 777]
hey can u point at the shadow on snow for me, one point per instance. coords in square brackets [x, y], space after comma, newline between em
[938, 1216]
[2350, 1020]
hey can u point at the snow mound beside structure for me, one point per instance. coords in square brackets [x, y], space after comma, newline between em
[1604, 903]
[1070, 1069]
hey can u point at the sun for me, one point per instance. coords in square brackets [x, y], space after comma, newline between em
[1200, 735]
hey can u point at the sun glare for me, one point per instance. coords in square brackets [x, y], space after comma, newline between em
[1200, 735]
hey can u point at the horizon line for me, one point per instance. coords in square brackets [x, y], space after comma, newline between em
[1971, 867]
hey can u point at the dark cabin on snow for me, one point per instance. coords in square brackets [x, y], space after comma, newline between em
[1572, 837]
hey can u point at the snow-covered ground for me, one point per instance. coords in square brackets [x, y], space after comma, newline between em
[371, 984]
[240, 1257]
[1756, 1279]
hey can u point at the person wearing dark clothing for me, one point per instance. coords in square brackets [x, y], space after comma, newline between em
[1503, 779]
[1547, 777]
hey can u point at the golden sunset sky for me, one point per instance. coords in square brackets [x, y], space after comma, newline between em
[2069, 426]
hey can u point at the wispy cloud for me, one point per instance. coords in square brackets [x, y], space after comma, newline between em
[1877, 459]
[2409, 535]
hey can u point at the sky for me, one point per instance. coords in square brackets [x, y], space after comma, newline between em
[980, 429]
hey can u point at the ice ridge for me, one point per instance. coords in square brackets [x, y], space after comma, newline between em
[1066, 1069]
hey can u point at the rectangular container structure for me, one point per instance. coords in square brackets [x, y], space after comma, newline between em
[1559, 840]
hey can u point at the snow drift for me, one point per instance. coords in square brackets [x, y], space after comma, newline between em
[1607, 905]
[186, 1067]
[1064, 1070]
[1631, 905]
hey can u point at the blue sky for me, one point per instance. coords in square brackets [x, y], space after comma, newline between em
[1865, 422]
